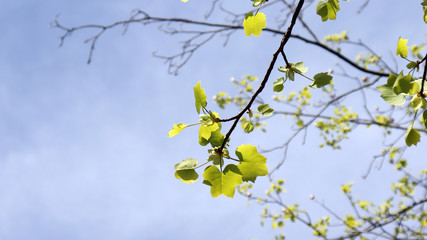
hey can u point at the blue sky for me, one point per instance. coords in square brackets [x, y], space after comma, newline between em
[84, 152]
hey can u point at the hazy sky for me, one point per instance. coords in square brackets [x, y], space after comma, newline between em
[83, 148]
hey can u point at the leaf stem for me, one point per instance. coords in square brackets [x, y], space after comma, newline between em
[200, 165]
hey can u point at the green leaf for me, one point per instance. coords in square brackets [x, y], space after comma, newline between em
[299, 67]
[216, 159]
[216, 138]
[254, 24]
[257, 2]
[404, 84]
[390, 96]
[205, 133]
[185, 170]
[321, 80]
[265, 110]
[252, 164]
[200, 97]
[248, 127]
[207, 119]
[411, 65]
[425, 118]
[412, 136]
[176, 129]
[278, 85]
[292, 69]
[402, 49]
[327, 9]
[418, 102]
[222, 182]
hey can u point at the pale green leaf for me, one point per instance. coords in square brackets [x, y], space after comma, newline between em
[222, 182]
[265, 110]
[205, 133]
[390, 96]
[418, 102]
[327, 10]
[412, 136]
[252, 164]
[402, 48]
[299, 67]
[248, 127]
[254, 24]
[200, 97]
[176, 129]
[278, 85]
[185, 170]
[404, 84]
[186, 164]
[321, 80]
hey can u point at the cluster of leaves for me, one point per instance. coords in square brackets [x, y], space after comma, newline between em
[401, 216]
[222, 180]
[399, 87]
[335, 129]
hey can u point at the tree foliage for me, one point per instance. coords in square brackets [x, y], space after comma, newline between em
[319, 104]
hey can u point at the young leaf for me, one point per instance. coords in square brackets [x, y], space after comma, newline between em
[222, 182]
[294, 68]
[278, 85]
[328, 9]
[248, 127]
[402, 84]
[412, 136]
[425, 118]
[418, 102]
[257, 2]
[176, 129]
[402, 49]
[289, 72]
[390, 96]
[185, 170]
[187, 176]
[299, 67]
[200, 97]
[321, 80]
[252, 164]
[265, 110]
[205, 133]
[216, 138]
[411, 65]
[254, 24]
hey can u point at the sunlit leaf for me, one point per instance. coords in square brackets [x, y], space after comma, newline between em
[390, 96]
[222, 182]
[254, 24]
[248, 127]
[418, 102]
[321, 80]
[265, 110]
[200, 97]
[327, 10]
[185, 170]
[176, 129]
[252, 164]
[412, 136]
[402, 49]
[278, 85]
